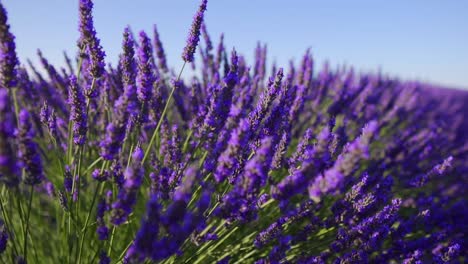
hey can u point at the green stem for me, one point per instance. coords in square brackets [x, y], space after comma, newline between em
[9, 227]
[122, 255]
[184, 148]
[111, 241]
[20, 209]
[85, 228]
[70, 142]
[26, 231]
[80, 63]
[148, 149]
[15, 103]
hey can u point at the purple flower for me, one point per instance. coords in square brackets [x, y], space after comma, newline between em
[112, 143]
[103, 258]
[9, 171]
[256, 169]
[8, 59]
[145, 76]
[438, 169]
[333, 178]
[229, 160]
[78, 113]
[265, 101]
[127, 60]
[160, 55]
[89, 40]
[221, 101]
[302, 147]
[265, 236]
[127, 196]
[68, 179]
[314, 160]
[194, 34]
[29, 151]
[148, 233]
[102, 231]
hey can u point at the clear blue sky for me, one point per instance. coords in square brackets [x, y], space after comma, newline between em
[412, 39]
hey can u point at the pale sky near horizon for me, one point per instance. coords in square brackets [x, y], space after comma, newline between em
[423, 40]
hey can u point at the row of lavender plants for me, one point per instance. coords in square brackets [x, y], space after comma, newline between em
[237, 164]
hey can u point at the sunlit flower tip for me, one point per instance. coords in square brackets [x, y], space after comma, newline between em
[8, 59]
[89, 40]
[194, 34]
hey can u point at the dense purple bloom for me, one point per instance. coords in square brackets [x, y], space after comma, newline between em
[333, 178]
[9, 171]
[149, 230]
[29, 151]
[78, 113]
[127, 196]
[221, 101]
[68, 180]
[241, 202]
[127, 60]
[126, 106]
[439, 169]
[89, 40]
[303, 146]
[256, 169]
[194, 34]
[265, 101]
[268, 234]
[145, 76]
[229, 160]
[102, 231]
[241, 168]
[8, 59]
[111, 144]
[314, 160]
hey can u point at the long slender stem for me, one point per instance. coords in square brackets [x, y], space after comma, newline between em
[111, 241]
[155, 132]
[9, 227]
[26, 231]
[85, 228]
[15, 103]
[20, 209]
[88, 216]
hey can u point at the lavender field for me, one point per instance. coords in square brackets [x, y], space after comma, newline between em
[240, 163]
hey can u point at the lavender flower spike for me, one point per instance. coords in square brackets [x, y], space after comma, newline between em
[145, 77]
[28, 151]
[194, 35]
[8, 58]
[127, 60]
[127, 196]
[345, 164]
[160, 54]
[78, 112]
[8, 167]
[89, 40]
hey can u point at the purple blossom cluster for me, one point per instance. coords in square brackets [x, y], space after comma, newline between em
[130, 163]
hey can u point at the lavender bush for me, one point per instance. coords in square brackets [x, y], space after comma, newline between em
[238, 164]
